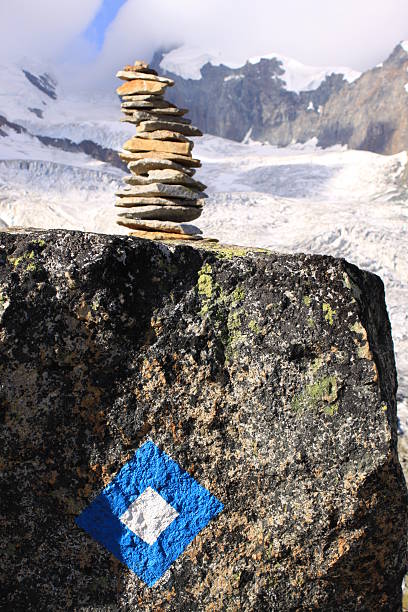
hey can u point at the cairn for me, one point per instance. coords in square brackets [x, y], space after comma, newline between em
[161, 194]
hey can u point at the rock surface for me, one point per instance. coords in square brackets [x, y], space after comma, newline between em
[136, 201]
[144, 144]
[143, 166]
[159, 212]
[129, 156]
[161, 189]
[170, 177]
[269, 378]
[182, 128]
[141, 87]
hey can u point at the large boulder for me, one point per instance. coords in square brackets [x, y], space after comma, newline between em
[263, 384]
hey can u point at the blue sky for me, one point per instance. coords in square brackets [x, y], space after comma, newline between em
[95, 32]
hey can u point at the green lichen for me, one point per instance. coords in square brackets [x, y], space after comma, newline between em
[307, 300]
[31, 267]
[224, 308]
[234, 326]
[328, 313]
[16, 261]
[331, 410]
[310, 322]
[253, 326]
[316, 365]
[230, 251]
[238, 295]
[205, 282]
[318, 395]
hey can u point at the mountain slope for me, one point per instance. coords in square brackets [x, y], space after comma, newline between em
[34, 108]
[280, 101]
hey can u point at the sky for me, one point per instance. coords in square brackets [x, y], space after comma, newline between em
[89, 40]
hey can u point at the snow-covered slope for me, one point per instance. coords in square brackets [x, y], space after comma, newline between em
[31, 97]
[187, 62]
[30, 91]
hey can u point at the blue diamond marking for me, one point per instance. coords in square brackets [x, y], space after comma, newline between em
[150, 468]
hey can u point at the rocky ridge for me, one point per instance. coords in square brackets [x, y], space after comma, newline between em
[255, 101]
[269, 378]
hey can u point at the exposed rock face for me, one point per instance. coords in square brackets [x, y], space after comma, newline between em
[85, 146]
[13, 126]
[43, 82]
[369, 114]
[269, 378]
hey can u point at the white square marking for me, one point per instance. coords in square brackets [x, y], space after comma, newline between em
[149, 515]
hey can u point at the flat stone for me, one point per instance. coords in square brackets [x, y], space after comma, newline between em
[164, 146]
[143, 166]
[137, 116]
[133, 201]
[128, 105]
[163, 135]
[153, 107]
[136, 104]
[151, 126]
[170, 177]
[130, 75]
[162, 226]
[128, 156]
[181, 214]
[143, 98]
[161, 189]
[169, 111]
[138, 65]
[140, 86]
[165, 236]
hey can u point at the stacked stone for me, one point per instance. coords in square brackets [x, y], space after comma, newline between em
[161, 194]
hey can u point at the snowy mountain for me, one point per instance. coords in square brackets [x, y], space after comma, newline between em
[188, 62]
[34, 110]
[278, 100]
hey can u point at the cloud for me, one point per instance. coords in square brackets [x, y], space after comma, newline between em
[351, 33]
[356, 34]
[42, 29]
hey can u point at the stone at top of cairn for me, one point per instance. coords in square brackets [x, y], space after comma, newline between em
[161, 194]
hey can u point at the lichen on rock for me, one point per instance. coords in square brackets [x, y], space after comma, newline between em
[282, 407]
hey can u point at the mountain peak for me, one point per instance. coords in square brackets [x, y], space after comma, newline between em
[187, 62]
